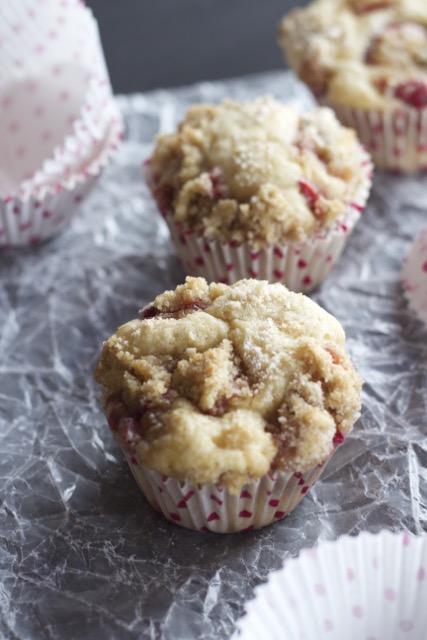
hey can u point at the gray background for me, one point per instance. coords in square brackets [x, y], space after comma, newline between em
[165, 43]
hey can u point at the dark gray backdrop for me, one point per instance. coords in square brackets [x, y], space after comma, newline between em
[163, 43]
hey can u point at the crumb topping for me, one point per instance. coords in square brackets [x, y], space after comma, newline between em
[247, 172]
[226, 383]
[359, 53]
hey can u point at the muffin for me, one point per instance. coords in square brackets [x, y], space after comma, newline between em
[228, 400]
[259, 190]
[368, 60]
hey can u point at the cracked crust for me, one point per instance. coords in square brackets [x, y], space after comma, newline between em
[359, 53]
[218, 383]
[257, 172]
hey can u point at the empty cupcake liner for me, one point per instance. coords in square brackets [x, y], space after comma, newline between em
[76, 152]
[396, 140]
[211, 507]
[300, 266]
[414, 276]
[45, 213]
[370, 587]
[47, 33]
[58, 121]
[49, 123]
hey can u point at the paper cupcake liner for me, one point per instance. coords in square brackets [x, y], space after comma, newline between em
[370, 587]
[45, 213]
[75, 154]
[41, 133]
[54, 92]
[211, 507]
[300, 266]
[396, 140]
[34, 36]
[414, 275]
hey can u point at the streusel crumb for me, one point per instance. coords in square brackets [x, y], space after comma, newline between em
[219, 383]
[360, 53]
[257, 172]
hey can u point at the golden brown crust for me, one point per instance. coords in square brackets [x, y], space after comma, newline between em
[257, 172]
[359, 53]
[224, 383]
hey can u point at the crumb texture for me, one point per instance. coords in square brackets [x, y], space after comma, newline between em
[219, 383]
[360, 53]
[257, 172]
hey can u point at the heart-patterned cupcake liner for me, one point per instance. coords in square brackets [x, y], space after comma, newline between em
[396, 140]
[211, 506]
[301, 266]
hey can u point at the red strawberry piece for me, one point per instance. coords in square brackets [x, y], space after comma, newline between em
[413, 93]
[218, 186]
[338, 438]
[128, 432]
[311, 193]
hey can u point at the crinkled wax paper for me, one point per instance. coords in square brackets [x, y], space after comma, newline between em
[82, 555]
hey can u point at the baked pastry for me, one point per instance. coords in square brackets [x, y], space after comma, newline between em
[368, 60]
[259, 190]
[228, 400]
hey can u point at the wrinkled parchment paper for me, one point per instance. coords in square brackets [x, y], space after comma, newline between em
[82, 555]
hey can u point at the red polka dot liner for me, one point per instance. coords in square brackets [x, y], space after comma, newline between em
[211, 507]
[414, 276]
[301, 266]
[369, 587]
[396, 140]
[59, 124]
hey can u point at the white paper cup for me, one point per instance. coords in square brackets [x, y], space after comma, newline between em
[39, 35]
[370, 587]
[44, 213]
[300, 266]
[396, 140]
[49, 121]
[58, 121]
[211, 507]
[414, 276]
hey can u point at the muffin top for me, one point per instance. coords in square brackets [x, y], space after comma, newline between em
[360, 53]
[218, 383]
[258, 172]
